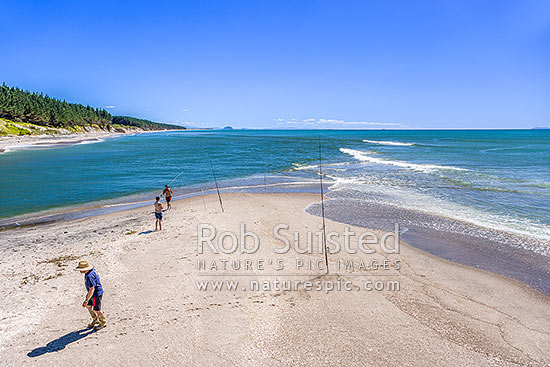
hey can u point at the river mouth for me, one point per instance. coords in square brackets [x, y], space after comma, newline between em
[256, 184]
[488, 249]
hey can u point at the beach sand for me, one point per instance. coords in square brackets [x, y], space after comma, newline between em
[19, 142]
[444, 314]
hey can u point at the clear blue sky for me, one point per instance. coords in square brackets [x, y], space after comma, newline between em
[414, 64]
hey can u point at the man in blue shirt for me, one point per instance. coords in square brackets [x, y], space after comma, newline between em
[94, 295]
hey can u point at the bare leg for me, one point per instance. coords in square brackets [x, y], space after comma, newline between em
[156, 224]
[160, 225]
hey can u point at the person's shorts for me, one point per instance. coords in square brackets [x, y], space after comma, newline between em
[158, 216]
[168, 199]
[95, 302]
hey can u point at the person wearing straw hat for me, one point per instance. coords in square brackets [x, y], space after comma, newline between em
[94, 295]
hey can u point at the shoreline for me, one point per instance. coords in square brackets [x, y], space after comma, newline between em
[463, 315]
[483, 253]
[22, 142]
[10, 143]
[138, 200]
[526, 266]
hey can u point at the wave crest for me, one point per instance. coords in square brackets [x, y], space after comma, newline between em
[383, 142]
[361, 156]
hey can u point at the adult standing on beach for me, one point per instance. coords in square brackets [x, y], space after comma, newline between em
[93, 298]
[158, 214]
[167, 192]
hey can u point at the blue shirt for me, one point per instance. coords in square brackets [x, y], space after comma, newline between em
[91, 279]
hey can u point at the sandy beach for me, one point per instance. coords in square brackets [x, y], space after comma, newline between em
[20, 142]
[443, 314]
[9, 143]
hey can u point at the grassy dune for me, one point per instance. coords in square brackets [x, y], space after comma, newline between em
[12, 128]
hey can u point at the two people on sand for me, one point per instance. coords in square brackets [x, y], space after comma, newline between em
[93, 296]
[167, 192]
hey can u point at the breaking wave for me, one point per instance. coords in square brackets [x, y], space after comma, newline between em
[382, 142]
[361, 156]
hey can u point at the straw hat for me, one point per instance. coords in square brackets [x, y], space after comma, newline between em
[84, 266]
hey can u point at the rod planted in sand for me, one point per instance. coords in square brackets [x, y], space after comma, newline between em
[216, 182]
[203, 199]
[323, 206]
[265, 182]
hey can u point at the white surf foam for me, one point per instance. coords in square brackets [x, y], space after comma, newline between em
[383, 142]
[414, 200]
[304, 167]
[13, 148]
[362, 156]
[91, 141]
[53, 145]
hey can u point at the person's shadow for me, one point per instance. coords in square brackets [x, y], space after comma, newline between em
[61, 342]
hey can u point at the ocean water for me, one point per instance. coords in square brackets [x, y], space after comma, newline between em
[494, 179]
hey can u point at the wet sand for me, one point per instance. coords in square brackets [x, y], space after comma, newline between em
[444, 314]
[526, 260]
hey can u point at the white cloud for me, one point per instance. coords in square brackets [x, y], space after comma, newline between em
[185, 110]
[341, 123]
[109, 106]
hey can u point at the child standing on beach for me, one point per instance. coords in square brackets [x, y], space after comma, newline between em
[158, 214]
[94, 295]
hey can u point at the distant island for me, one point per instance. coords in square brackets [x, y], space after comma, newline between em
[30, 113]
[227, 128]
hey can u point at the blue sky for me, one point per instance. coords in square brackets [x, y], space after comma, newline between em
[288, 64]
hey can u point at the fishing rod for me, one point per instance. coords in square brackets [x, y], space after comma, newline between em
[216, 182]
[175, 178]
[323, 206]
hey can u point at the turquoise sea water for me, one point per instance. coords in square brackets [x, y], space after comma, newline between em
[498, 178]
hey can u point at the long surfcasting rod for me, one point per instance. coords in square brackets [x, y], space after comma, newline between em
[323, 206]
[216, 182]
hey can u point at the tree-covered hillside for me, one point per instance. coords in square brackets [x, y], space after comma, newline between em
[141, 123]
[36, 108]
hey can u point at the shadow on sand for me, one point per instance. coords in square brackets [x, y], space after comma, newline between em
[61, 342]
